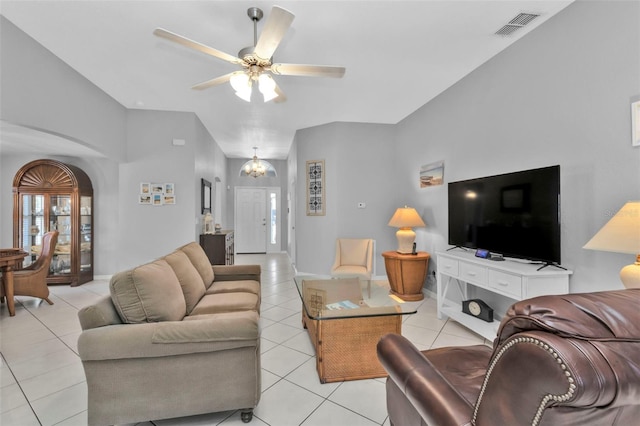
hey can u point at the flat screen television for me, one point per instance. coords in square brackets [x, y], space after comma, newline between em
[513, 214]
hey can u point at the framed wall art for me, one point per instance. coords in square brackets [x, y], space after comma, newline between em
[315, 188]
[206, 196]
[432, 174]
[157, 194]
[635, 123]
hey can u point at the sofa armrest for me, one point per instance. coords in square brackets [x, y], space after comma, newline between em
[204, 333]
[100, 314]
[236, 272]
[433, 397]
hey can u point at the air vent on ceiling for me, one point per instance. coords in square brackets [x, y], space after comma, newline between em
[516, 23]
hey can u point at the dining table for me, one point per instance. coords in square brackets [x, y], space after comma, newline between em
[8, 260]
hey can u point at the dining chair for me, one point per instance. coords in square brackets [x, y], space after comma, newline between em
[32, 280]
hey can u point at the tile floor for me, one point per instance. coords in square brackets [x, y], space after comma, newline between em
[42, 380]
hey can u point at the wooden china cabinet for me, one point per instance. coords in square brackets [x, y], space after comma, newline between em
[52, 196]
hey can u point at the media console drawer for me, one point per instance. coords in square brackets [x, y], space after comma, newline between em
[506, 283]
[473, 273]
[449, 266]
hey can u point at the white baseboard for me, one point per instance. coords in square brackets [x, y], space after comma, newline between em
[102, 277]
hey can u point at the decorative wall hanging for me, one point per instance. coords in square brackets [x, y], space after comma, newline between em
[157, 194]
[315, 188]
[205, 196]
[432, 174]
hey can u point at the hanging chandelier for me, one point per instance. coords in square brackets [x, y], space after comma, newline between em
[254, 167]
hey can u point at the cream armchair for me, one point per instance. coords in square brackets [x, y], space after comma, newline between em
[354, 257]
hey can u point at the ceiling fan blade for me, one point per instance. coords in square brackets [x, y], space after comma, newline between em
[276, 26]
[176, 38]
[281, 96]
[213, 82]
[308, 70]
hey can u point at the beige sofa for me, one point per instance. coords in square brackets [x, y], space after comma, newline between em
[176, 337]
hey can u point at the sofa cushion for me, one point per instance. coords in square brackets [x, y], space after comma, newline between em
[226, 302]
[199, 259]
[148, 293]
[188, 276]
[240, 286]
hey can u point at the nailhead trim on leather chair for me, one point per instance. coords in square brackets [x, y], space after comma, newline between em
[549, 397]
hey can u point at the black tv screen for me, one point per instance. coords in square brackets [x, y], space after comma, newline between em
[514, 214]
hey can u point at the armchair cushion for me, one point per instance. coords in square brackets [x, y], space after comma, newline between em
[354, 257]
[353, 252]
[148, 293]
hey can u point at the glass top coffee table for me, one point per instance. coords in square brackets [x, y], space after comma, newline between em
[345, 318]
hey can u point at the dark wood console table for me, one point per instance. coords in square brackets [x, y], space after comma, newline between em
[219, 247]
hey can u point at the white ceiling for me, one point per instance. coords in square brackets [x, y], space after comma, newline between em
[398, 56]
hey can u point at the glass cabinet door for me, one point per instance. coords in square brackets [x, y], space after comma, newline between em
[60, 220]
[86, 243]
[32, 227]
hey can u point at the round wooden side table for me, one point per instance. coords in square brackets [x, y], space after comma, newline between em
[406, 273]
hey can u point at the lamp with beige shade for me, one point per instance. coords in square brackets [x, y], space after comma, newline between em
[622, 235]
[405, 218]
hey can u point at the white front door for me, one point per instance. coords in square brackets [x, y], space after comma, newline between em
[251, 220]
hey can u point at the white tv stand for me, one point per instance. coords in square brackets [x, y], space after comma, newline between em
[458, 269]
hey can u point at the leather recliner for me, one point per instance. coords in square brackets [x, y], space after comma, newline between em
[557, 360]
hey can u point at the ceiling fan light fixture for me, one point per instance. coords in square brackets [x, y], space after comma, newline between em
[267, 87]
[241, 83]
[245, 95]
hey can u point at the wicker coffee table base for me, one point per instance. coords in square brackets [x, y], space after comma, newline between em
[346, 347]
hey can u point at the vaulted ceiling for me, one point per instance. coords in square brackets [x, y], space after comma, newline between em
[398, 56]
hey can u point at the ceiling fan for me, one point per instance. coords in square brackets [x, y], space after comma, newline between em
[256, 60]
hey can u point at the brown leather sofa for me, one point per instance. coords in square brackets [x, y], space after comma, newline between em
[557, 360]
